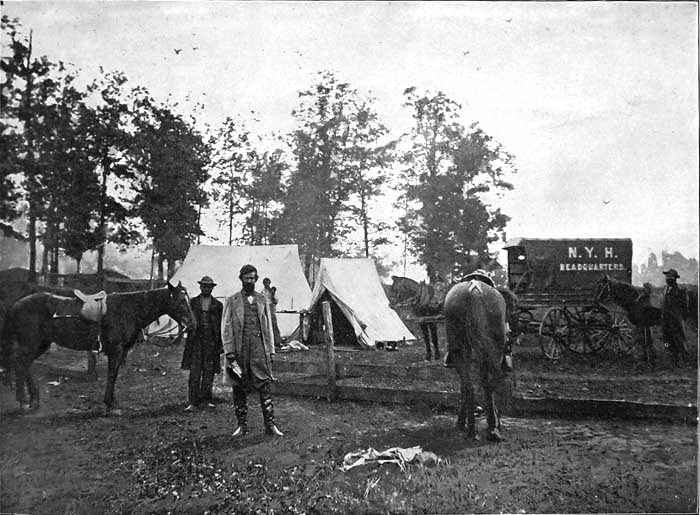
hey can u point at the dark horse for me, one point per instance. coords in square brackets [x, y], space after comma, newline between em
[637, 306]
[475, 323]
[37, 320]
[427, 304]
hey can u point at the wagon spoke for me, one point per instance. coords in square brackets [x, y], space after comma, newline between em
[554, 333]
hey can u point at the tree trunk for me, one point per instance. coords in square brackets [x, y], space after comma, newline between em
[103, 224]
[160, 266]
[32, 246]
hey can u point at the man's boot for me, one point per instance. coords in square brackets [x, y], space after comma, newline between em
[447, 361]
[240, 407]
[268, 412]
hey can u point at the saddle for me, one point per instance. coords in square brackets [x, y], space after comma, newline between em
[479, 275]
[94, 306]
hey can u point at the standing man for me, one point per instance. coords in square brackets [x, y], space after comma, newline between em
[643, 314]
[271, 296]
[673, 311]
[203, 346]
[249, 347]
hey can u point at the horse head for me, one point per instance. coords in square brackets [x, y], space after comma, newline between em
[179, 306]
[602, 290]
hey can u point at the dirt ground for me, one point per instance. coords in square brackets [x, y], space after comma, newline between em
[69, 458]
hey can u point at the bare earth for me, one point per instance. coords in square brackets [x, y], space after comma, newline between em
[68, 458]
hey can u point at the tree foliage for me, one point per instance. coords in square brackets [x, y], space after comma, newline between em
[170, 157]
[449, 174]
[336, 145]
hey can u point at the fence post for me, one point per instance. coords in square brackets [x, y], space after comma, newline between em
[328, 324]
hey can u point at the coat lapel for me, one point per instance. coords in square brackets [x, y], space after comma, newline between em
[238, 307]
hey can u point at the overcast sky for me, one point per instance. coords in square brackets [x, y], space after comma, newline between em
[597, 101]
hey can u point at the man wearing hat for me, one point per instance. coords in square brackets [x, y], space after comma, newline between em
[249, 347]
[203, 346]
[673, 312]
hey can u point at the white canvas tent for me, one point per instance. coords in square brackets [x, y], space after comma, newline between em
[354, 286]
[164, 327]
[278, 262]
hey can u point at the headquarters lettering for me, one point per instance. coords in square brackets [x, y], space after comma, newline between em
[590, 267]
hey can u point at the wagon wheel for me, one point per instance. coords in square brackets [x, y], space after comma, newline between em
[587, 330]
[618, 334]
[554, 333]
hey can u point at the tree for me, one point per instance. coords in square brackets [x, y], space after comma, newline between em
[171, 159]
[230, 152]
[262, 193]
[334, 145]
[24, 76]
[449, 174]
[108, 121]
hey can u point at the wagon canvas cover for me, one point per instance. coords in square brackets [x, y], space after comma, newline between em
[278, 262]
[354, 285]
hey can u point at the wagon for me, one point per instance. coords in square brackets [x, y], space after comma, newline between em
[555, 281]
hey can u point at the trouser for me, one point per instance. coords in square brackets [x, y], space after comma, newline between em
[646, 340]
[674, 335]
[201, 377]
[240, 404]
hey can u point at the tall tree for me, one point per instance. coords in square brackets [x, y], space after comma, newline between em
[230, 152]
[171, 159]
[332, 145]
[450, 175]
[262, 195]
[24, 76]
[106, 124]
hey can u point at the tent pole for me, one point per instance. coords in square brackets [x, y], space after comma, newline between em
[328, 324]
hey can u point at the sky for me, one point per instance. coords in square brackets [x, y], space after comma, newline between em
[598, 102]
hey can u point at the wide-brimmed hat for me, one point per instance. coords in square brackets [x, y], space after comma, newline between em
[207, 280]
[672, 273]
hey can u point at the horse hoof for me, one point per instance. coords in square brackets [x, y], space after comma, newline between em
[494, 436]
[114, 412]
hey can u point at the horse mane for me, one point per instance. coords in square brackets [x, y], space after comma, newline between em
[623, 292]
[142, 305]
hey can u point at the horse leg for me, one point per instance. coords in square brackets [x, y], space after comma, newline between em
[20, 386]
[465, 414]
[33, 390]
[114, 361]
[493, 433]
[434, 337]
[426, 339]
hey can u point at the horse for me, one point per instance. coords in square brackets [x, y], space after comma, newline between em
[37, 320]
[475, 323]
[402, 289]
[428, 303]
[635, 302]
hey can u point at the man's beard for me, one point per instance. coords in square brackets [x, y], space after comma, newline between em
[248, 288]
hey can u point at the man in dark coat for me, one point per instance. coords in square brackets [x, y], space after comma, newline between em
[203, 347]
[247, 335]
[673, 312]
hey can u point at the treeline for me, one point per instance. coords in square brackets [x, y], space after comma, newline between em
[94, 160]
[652, 271]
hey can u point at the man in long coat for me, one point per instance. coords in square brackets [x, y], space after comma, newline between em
[249, 346]
[203, 348]
[673, 312]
